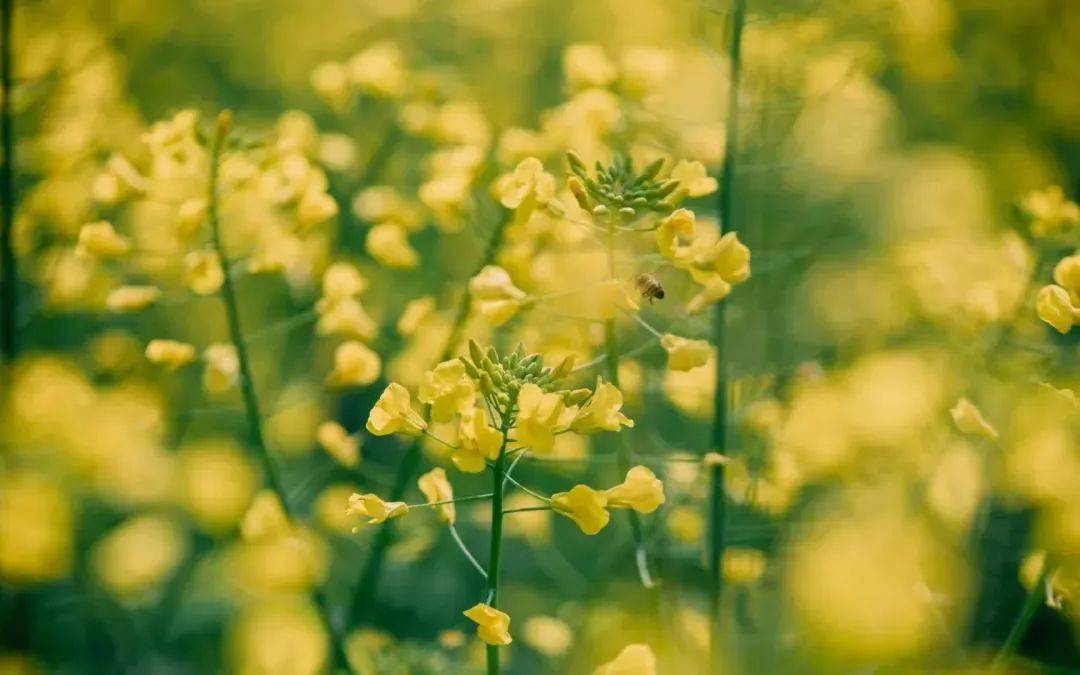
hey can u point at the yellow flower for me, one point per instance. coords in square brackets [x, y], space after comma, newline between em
[693, 178]
[36, 519]
[679, 223]
[632, 660]
[339, 443]
[528, 179]
[203, 272]
[550, 636]
[222, 368]
[132, 298]
[642, 491]
[602, 412]
[492, 626]
[969, 420]
[538, 417]
[1050, 211]
[645, 69]
[585, 506]
[478, 441]
[330, 80]
[587, 66]
[743, 566]
[379, 70]
[315, 207]
[342, 280]
[436, 488]
[189, 216]
[375, 508]
[728, 258]
[1054, 306]
[685, 354]
[1067, 275]
[101, 240]
[265, 519]
[169, 353]
[393, 413]
[448, 390]
[345, 317]
[138, 554]
[354, 365]
[389, 245]
[498, 299]
[415, 312]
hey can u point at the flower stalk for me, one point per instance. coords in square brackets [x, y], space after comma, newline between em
[498, 474]
[725, 210]
[10, 296]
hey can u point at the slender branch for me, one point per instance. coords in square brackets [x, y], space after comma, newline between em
[455, 500]
[525, 489]
[465, 549]
[498, 476]
[725, 212]
[8, 285]
[369, 577]
[527, 508]
[1023, 621]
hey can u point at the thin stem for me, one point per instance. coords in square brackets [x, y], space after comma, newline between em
[525, 489]
[527, 508]
[498, 475]
[455, 500]
[369, 578]
[247, 383]
[10, 297]
[1023, 621]
[725, 212]
[232, 312]
[611, 347]
[465, 549]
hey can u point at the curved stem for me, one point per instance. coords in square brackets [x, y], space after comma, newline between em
[465, 549]
[1023, 621]
[369, 577]
[9, 299]
[725, 211]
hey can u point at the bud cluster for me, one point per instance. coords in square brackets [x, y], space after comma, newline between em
[502, 377]
[619, 188]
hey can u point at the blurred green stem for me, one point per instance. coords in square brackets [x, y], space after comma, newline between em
[369, 577]
[622, 454]
[1035, 597]
[498, 472]
[725, 210]
[247, 382]
[10, 298]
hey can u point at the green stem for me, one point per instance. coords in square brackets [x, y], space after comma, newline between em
[9, 299]
[365, 590]
[1020, 627]
[498, 473]
[725, 212]
[247, 383]
[622, 453]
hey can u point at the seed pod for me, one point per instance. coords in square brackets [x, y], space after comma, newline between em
[470, 369]
[575, 162]
[653, 170]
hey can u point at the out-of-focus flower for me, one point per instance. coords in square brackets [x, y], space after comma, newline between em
[170, 353]
[339, 443]
[644, 70]
[203, 272]
[375, 508]
[330, 80]
[498, 299]
[222, 368]
[693, 178]
[448, 390]
[642, 491]
[587, 66]
[315, 207]
[550, 636]
[278, 637]
[345, 317]
[492, 625]
[743, 566]
[1050, 211]
[265, 519]
[1054, 306]
[970, 420]
[132, 298]
[603, 411]
[101, 240]
[388, 243]
[527, 180]
[138, 554]
[36, 520]
[632, 660]
[214, 483]
[379, 70]
[685, 354]
[414, 314]
[393, 413]
[355, 365]
[436, 488]
[585, 506]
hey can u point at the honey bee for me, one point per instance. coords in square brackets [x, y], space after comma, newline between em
[649, 286]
